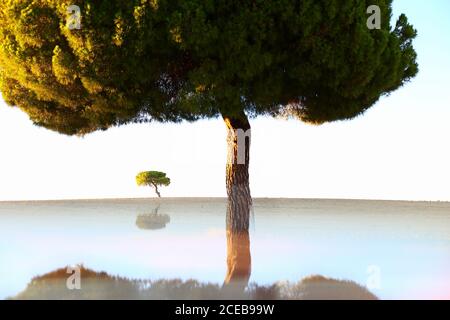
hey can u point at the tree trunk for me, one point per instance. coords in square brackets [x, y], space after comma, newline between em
[237, 177]
[239, 202]
[157, 191]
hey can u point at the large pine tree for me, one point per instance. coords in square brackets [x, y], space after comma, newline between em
[168, 61]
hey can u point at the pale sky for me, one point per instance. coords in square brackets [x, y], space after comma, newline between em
[398, 150]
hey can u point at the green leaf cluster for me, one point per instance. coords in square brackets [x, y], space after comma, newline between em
[152, 178]
[167, 60]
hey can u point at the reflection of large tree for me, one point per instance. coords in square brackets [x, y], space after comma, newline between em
[100, 285]
[238, 258]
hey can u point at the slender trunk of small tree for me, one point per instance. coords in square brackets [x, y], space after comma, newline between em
[237, 176]
[239, 202]
[157, 191]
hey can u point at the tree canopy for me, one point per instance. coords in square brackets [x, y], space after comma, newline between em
[156, 60]
[153, 179]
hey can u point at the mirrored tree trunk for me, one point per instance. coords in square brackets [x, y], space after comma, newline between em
[238, 259]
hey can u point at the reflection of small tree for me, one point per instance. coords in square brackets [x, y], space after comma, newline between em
[153, 179]
[152, 221]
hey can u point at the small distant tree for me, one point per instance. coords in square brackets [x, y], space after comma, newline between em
[152, 179]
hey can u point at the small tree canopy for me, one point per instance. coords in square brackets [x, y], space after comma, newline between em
[149, 60]
[152, 178]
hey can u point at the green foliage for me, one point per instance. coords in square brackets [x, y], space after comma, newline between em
[152, 178]
[149, 60]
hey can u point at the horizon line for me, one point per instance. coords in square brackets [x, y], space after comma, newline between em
[217, 198]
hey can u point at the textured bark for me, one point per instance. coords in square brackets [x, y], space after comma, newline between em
[239, 203]
[237, 176]
[238, 259]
